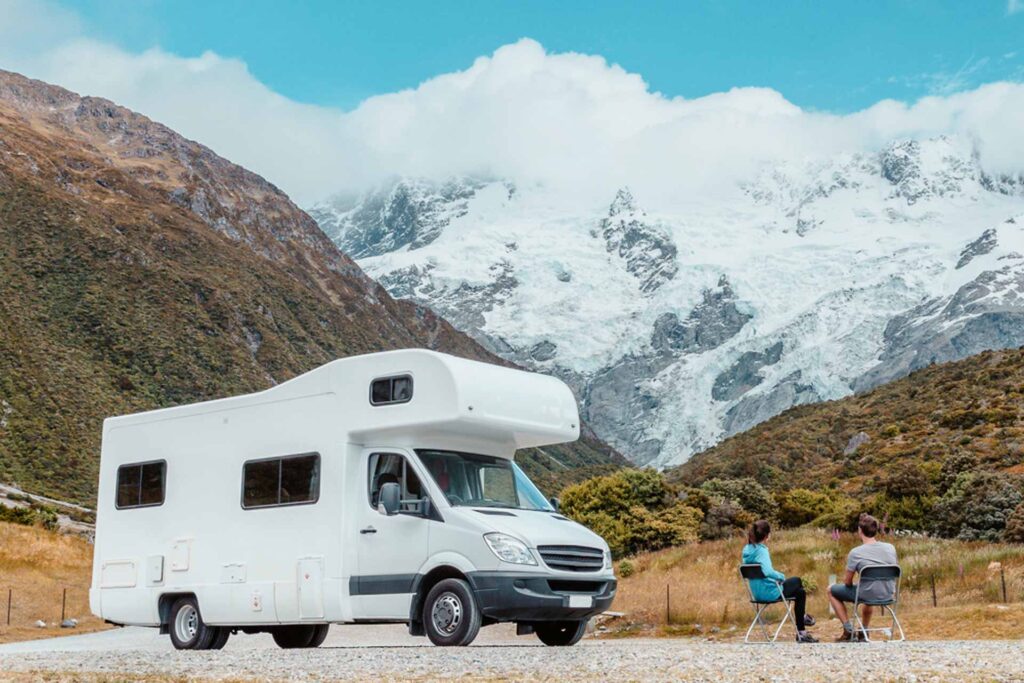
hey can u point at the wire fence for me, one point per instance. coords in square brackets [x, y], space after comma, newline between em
[61, 608]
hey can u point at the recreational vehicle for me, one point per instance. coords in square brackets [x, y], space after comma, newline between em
[374, 489]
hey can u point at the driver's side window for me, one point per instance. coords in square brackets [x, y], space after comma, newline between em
[394, 468]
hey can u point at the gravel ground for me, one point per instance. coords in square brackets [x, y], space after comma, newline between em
[349, 655]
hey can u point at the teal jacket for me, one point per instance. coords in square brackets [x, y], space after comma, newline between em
[764, 589]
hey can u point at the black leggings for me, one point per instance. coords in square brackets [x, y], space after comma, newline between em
[793, 589]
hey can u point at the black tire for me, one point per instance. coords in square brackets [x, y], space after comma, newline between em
[289, 637]
[451, 616]
[186, 626]
[319, 635]
[560, 633]
[222, 638]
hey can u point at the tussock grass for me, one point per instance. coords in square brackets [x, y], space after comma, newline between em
[37, 565]
[705, 588]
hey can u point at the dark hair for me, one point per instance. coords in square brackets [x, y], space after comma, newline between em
[759, 531]
[868, 525]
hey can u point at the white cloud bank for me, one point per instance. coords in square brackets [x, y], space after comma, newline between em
[563, 119]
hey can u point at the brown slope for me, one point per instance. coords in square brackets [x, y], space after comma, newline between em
[139, 269]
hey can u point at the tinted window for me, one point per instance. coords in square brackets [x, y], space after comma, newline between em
[391, 390]
[140, 485]
[281, 481]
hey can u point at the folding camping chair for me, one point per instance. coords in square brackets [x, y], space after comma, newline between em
[873, 574]
[750, 572]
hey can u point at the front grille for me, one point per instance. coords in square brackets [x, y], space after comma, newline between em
[572, 558]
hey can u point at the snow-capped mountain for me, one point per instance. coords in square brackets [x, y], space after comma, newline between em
[680, 325]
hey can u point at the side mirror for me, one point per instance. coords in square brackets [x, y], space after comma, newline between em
[555, 503]
[425, 507]
[389, 499]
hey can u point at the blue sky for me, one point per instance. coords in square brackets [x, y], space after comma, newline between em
[830, 56]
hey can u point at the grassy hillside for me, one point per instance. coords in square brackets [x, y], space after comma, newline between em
[704, 587]
[37, 565]
[140, 270]
[940, 450]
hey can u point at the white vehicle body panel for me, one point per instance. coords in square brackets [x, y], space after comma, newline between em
[310, 563]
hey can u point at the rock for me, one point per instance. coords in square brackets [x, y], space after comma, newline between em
[979, 247]
[647, 250]
[543, 351]
[757, 408]
[986, 313]
[744, 374]
[40, 624]
[712, 322]
[69, 623]
[855, 442]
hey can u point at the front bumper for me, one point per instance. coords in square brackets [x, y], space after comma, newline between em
[527, 597]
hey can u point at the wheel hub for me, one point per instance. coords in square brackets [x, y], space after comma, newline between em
[447, 613]
[186, 623]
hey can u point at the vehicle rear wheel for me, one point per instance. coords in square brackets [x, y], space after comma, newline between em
[319, 635]
[222, 638]
[289, 637]
[450, 613]
[560, 633]
[187, 629]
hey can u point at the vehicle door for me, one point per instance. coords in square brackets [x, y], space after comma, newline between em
[391, 548]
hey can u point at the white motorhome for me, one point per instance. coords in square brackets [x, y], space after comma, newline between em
[379, 488]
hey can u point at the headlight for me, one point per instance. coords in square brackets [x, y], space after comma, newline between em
[607, 559]
[509, 549]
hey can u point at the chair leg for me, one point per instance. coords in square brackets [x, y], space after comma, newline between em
[785, 617]
[858, 625]
[755, 622]
[899, 626]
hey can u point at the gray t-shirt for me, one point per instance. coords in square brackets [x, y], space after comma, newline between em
[869, 554]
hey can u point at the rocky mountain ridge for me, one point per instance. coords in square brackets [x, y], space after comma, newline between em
[140, 270]
[679, 325]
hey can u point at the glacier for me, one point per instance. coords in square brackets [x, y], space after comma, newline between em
[679, 323]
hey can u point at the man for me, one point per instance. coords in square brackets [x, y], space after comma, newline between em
[870, 552]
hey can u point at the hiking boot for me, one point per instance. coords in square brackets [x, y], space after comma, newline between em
[809, 620]
[805, 638]
[846, 637]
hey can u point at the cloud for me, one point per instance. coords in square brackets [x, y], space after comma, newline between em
[565, 119]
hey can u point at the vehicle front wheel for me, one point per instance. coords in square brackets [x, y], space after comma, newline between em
[450, 613]
[560, 633]
[187, 629]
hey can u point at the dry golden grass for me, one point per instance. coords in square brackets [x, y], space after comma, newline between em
[705, 588]
[37, 565]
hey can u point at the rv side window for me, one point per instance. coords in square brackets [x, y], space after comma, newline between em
[391, 467]
[388, 390]
[141, 485]
[293, 480]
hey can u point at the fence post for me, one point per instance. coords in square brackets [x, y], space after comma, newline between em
[935, 597]
[1002, 578]
[668, 611]
[10, 591]
[63, 604]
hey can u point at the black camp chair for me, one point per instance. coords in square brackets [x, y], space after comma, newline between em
[751, 572]
[890, 573]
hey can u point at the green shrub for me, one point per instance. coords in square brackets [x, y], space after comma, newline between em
[797, 507]
[746, 493]
[977, 507]
[1014, 531]
[724, 520]
[626, 569]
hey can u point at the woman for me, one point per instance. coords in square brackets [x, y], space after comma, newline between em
[756, 552]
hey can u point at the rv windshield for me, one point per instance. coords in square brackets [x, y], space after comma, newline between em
[482, 481]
